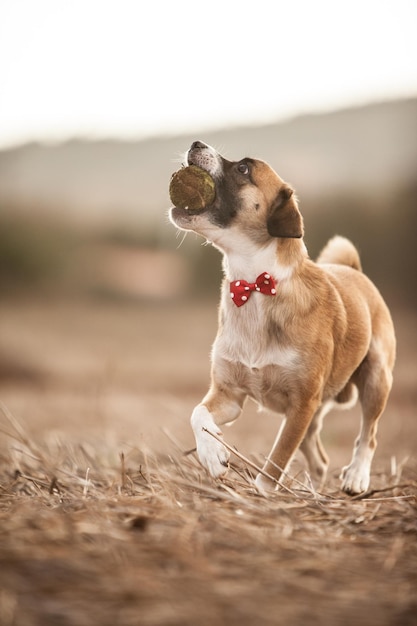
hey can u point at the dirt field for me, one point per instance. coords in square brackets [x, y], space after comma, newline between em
[104, 520]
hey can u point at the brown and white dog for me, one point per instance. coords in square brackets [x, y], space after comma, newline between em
[297, 336]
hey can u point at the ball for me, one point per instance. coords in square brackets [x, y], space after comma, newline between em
[192, 188]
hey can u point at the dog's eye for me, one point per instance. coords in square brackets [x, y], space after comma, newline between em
[243, 168]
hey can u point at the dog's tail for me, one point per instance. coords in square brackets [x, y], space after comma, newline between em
[340, 250]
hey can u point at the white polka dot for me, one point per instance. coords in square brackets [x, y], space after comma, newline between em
[244, 298]
[246, 288]
[237, 283]
[257, 288]
[267, 276]
[267, 282]
[233, 295]
[273, 291]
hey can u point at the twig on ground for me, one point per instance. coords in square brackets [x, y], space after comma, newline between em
[371, 492]
[253, 465]
[123, 469]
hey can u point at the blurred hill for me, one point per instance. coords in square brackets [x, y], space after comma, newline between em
[368, 149]
[354, 171]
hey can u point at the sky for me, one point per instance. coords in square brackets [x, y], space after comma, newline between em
[136, 68]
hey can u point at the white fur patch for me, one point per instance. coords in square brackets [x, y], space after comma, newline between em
[211, 453]
[287, 358]
[356, 476]
[208, 159]
[245, 259]
[264, 485]
[243, 339]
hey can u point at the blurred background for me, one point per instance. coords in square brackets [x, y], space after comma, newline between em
[103, 304]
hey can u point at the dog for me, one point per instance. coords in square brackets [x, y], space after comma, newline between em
[299, 337]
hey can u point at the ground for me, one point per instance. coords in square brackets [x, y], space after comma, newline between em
[107, 518]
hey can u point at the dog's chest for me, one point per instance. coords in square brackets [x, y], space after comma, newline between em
[245, 339]
[254, 356]
[260, 371]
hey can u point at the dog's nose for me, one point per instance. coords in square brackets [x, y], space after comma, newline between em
[198, 145]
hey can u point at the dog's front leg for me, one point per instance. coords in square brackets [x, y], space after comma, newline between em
[286, 444]
[220, 406]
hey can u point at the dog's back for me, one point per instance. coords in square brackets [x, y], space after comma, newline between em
[341, 251]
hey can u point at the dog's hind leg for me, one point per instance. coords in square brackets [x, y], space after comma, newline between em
[312, 446]
[220, 406]
[313, 449]
[374, 380]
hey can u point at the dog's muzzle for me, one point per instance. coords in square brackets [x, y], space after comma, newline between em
[204, 156]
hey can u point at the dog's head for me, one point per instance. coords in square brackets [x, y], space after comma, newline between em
[251, 199]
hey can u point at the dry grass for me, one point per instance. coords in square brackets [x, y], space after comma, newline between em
[93, 536]
[99, 528]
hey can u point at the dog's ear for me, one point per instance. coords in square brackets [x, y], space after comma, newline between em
[284, 218]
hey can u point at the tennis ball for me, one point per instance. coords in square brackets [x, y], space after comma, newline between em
[191, 188]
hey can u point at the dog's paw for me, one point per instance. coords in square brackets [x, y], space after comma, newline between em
[355, 479]
[264, 485]
[212, 454]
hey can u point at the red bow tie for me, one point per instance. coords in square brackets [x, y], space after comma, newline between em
[241, 291]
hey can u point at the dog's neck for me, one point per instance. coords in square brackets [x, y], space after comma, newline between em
[278, 257]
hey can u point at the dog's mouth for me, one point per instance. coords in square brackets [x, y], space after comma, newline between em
[184, 214]
[188, 219]
[204, 157]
